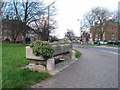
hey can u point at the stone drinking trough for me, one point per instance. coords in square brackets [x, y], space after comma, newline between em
[63, 52]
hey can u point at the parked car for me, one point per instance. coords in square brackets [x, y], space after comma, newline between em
[103, 42]
[100, 42]
[96, 41]
[118, 41]
[113, 42]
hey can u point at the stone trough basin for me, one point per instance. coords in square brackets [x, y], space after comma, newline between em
[60, 51]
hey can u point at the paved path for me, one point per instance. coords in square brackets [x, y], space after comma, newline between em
[95, 69]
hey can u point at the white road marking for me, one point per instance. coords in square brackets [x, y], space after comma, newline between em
[108, 47]
[110, 52]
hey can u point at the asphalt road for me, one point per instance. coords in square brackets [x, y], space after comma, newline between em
[113, 50]
[95, 69]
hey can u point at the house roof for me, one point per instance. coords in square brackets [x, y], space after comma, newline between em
[16, 24]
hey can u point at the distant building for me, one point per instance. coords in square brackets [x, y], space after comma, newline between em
[12, 30]
[110, 31]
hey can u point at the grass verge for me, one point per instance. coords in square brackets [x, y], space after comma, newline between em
[77, 54]
[13, 58]
[0, 66]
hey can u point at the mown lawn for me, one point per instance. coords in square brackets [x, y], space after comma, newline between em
[13, 76]
[0, 66]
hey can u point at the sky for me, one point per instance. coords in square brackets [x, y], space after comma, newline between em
[69, 11]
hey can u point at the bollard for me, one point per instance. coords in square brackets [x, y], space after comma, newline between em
[51, 64]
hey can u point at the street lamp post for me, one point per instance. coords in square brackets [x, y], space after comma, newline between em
[49, 13]
[80, 21]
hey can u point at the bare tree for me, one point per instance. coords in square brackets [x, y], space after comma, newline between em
[45, 29]
[101, 15]
[70, 35]
[28, 12]
[90, 21]
[97, 19]
[86, 36]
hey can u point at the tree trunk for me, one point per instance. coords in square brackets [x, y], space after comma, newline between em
[101, 36]
[45, 35]
[93, 37]
[24, 37]
[24, 33]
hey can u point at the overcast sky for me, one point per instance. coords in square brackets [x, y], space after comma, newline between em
[69, 11]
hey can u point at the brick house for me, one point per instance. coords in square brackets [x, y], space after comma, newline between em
[110, 31]
[12, 29]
